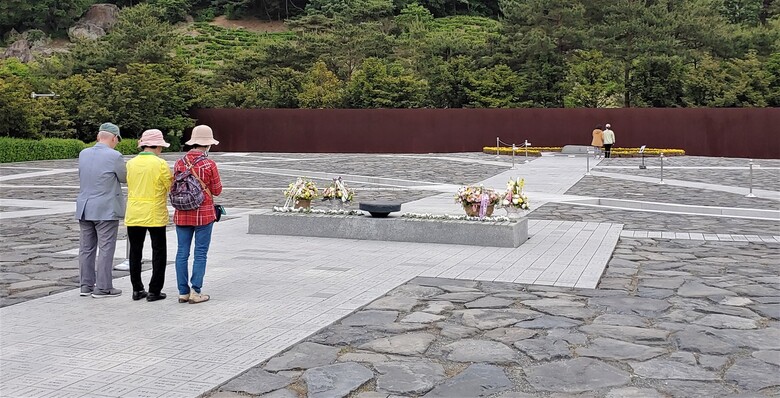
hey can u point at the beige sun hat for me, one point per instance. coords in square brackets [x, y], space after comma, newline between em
[202, 135]
[152, 137]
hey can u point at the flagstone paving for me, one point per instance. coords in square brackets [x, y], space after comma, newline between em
[688, 305]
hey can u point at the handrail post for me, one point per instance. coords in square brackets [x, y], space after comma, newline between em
[587, 162]
[662, 169]
[526, 144]
[750, 194]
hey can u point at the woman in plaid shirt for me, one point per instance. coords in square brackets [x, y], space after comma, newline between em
[198, 222]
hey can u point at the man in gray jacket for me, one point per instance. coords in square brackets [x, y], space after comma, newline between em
[99, 207]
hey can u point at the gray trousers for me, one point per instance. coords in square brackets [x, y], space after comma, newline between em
[94, 235]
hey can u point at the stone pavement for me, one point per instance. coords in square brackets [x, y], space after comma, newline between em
[672, 316]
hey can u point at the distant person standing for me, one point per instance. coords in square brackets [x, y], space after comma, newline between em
[609, 140]
[99, 207]
[598, 139]
[198, 222]
[148, 182]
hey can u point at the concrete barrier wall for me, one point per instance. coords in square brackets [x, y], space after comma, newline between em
[393, 228]
[731, 132]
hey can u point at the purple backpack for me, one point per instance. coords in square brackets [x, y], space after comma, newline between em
[187, 191]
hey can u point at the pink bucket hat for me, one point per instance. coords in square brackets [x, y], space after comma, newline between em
[152, 137]
[202, 135]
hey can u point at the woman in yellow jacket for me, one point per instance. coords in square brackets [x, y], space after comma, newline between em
[148, 181]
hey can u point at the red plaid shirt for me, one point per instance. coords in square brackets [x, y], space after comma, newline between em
[206, 169]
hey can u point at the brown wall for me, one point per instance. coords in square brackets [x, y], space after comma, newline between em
[737, 132]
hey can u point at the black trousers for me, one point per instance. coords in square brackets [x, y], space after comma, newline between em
[607, 150]
[136, 236]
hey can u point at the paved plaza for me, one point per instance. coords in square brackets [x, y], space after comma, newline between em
[626, 288]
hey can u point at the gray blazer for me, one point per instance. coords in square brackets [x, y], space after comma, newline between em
[101, 170]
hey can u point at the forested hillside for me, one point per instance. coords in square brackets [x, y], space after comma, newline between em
[162, 58]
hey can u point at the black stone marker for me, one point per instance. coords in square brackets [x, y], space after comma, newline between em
[380, 209]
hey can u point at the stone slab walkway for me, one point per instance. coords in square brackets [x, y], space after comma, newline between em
[270, 293]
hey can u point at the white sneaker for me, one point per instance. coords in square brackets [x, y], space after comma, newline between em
[123, 266]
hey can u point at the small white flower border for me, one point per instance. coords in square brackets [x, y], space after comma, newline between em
[448, 217]
[414, 216]
[317, 211]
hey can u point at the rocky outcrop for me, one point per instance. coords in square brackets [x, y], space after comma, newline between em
[19, 49]
[95, 23]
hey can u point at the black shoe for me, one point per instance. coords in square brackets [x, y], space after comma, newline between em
[139, 295]
[156, 296]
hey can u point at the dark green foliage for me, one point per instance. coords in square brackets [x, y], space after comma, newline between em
[49, 15]
[149, 73]
[658, 82]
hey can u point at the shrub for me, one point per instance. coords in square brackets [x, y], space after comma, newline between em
[128, 146]
[20, 150]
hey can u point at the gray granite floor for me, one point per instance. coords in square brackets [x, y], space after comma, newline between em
[670, 318]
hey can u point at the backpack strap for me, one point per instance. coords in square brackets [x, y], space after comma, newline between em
[189, 167]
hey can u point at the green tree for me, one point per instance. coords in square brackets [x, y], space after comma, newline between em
[629, 29]
[747, 83]
[380, 85]
[414, 18]
[351, 10]
[496, 87]
[538, 34]
[449, 81]
[172, 10]
[742, 11]
[657, 82]
[321, 88]
[140, 36]
[772, 69]
[18, 111]
[237, 95]
[49, 15]
[345, 47]
[145, 96]
[593, 80]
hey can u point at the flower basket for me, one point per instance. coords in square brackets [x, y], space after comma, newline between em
[514, 200]
[337, 194]
[477, 201]
[302, 203]
[473, 210]
[300, 193]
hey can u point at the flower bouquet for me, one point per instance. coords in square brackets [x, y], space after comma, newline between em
[514, 198]
[477, 201]
[338, 194]
[300, 193]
